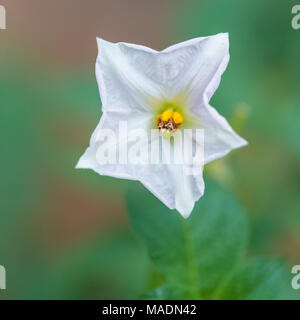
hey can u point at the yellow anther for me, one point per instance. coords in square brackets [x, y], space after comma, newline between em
[167, 115]
[158, 118]
[169, 121]
[178, 118]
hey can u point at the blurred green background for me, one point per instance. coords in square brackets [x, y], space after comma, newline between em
[64, 233]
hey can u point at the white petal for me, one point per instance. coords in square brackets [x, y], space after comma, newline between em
[219, 137]
[124, 85]
[208, 68]
[199, 65]
[110, 120]
[128, 72]
[173, 186]
[193, 63]
[127, 76]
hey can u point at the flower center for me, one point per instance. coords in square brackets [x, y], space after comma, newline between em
[169, 121]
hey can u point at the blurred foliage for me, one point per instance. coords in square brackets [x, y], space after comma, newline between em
[254, 280]
[202, 257]
[263, 76]
[197, 253]
[63, 232]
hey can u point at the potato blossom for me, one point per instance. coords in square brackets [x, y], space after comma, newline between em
[157, 96]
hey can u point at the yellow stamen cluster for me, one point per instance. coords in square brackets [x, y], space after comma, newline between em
[166, 115]
[177, 117]
[169, 120]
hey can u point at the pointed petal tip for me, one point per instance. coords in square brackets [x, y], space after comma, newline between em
[184, 214]
[103, 44]
[224, 37]
[98, 40]
[239, 144]
[78, 165]
[243, 143]
[82, 163]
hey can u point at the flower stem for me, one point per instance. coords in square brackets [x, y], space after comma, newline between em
[193, 277]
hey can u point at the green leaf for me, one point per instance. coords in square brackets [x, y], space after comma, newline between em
[255, 280]
[198, 253]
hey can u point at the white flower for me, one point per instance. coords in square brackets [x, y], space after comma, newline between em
[169, 90]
